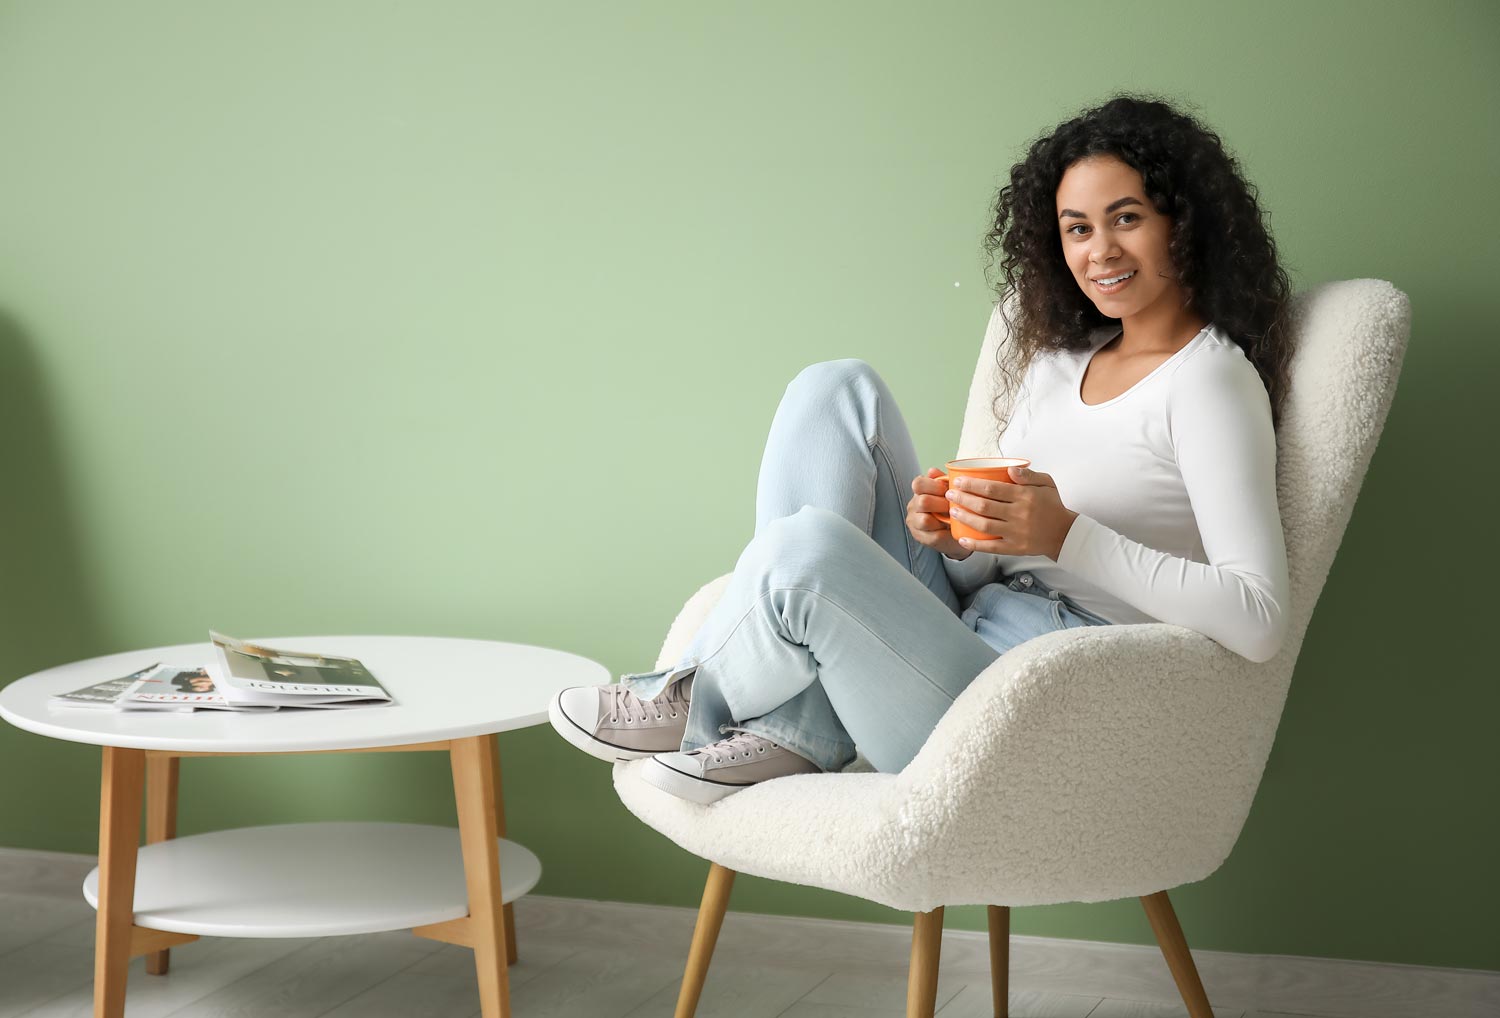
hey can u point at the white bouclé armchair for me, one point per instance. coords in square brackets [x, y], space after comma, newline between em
[1086, 764]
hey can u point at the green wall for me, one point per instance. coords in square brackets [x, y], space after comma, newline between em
[464, 319]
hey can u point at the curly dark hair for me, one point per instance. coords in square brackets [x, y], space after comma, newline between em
[1219, 243]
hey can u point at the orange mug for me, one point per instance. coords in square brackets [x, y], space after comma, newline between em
[990, 469]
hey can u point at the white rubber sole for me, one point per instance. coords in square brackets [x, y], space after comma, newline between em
[570, 730]
[685, 786]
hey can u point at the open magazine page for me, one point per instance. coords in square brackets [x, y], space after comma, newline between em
[102, 695]
[170, 687]
[252, 673]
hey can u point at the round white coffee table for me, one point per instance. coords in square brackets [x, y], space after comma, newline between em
[451, 695]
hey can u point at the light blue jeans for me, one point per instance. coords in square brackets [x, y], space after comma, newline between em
[838, 629]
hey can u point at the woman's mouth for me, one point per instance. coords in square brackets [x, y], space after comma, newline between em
[1120, 282]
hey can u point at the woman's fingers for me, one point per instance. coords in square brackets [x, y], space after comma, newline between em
[967, 500]
[927, 505]
[981, 505]
[979, 513]
[978, 522]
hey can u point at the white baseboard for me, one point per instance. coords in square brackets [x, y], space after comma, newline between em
[1285, 984]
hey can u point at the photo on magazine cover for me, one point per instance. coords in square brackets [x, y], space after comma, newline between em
[173, 686]
[256, 672]
[307, 669]
[192, 680]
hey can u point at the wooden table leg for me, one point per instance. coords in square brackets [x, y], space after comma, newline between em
[475, 765]
[119, 837]
[161, 825]
[510, 913]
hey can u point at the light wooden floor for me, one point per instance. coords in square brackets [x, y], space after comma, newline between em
[46, 959]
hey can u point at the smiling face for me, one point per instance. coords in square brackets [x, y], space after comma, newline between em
[1108, 228]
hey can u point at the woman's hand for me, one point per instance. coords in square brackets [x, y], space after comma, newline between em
[927, 500]
[1024, 516]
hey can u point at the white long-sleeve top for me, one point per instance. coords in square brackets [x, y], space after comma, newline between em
[1174, 483]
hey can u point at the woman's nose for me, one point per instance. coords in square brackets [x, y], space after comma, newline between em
[1103, 250]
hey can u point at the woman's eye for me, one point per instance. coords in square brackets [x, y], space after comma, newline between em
[1081, 226]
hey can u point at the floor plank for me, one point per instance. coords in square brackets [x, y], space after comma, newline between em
[198, 969]
[879, 989]
[976, 1000]
[595, 984]
[406, 994]
[314, 979]
[737, 991]
[804, 1009]
[32, 917]
[36, 973]
[1140, 1009]
[54, 873]
[534, 958]
[443, 984]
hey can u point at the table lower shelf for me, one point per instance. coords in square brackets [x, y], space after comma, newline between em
[310, 880]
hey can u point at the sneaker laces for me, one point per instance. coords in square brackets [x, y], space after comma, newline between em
[730, 748]
[626, 704]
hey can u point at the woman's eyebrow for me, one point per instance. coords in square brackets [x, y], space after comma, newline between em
[1127, 200]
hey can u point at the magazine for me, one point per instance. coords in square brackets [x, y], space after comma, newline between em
[161, 688]
[242, 677]
[172, 688]
[104, 695]
[248, 673]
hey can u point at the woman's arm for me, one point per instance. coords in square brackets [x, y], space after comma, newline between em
[969, 574]
[1225, 447]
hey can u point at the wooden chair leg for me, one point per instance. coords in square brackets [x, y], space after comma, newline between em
[1174, 946]
[705, 935]
[1000, 958]
[161, 825]
[921, 981]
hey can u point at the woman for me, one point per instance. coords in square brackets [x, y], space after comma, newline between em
[1147, 312]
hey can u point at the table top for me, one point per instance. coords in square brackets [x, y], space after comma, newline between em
[444, 688]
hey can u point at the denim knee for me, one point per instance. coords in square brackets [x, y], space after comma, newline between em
[831, 376]
[794, 550]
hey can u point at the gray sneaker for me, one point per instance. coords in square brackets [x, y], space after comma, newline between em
[612, 723]
[709, 774]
